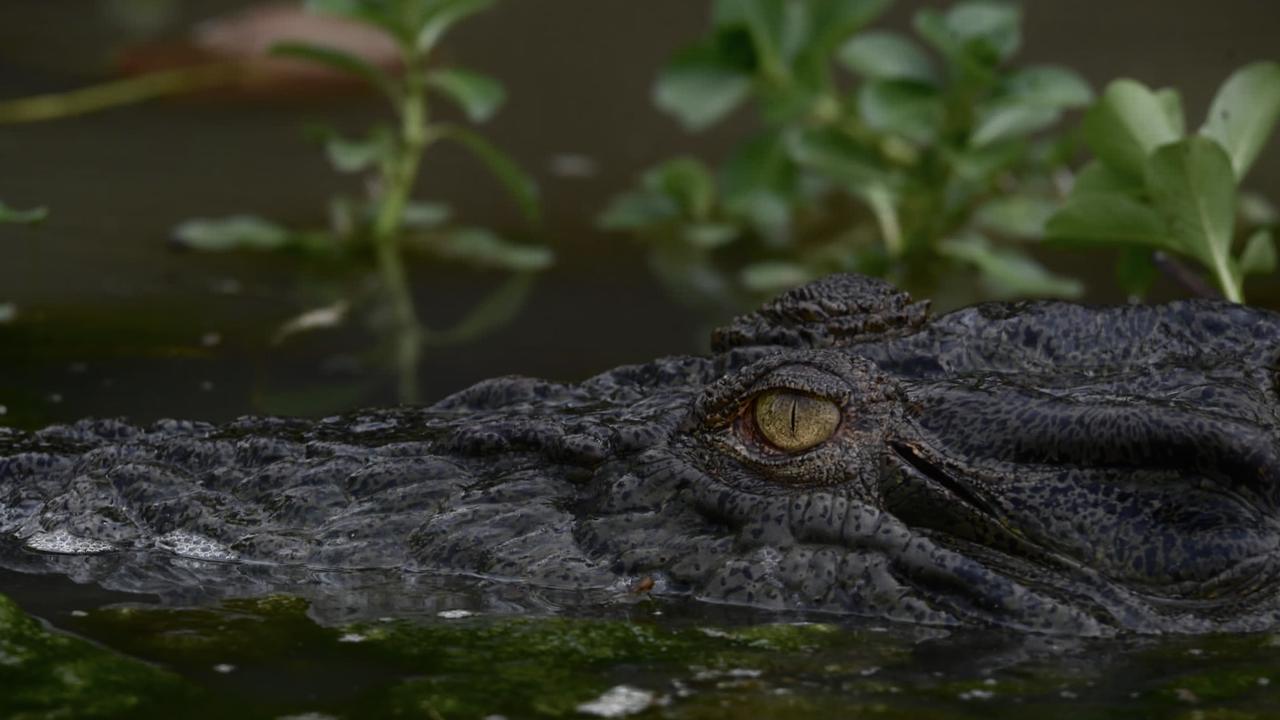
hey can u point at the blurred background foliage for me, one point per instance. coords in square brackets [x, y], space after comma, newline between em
[877, 155]
[935, 164]
[958, 149]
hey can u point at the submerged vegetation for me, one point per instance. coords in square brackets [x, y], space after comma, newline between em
[13, 215]
[390, 220]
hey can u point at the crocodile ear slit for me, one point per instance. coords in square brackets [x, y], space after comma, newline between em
[835, 311]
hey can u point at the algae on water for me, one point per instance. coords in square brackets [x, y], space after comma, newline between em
[47, 674]
[266, 658]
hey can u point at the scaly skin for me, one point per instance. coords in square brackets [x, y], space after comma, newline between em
[1044, 466]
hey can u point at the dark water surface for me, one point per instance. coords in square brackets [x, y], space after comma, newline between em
[110, 321]
[637, 657]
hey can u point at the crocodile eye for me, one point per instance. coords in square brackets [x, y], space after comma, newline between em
[795, 422]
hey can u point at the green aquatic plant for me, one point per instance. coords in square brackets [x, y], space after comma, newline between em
[13, 215]
[46, 674]
[931, 166]
[1154, 187]
[389, 220]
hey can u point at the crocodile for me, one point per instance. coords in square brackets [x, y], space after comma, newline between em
[1038, 465]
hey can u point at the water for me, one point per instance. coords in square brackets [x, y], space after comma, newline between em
[635, 656]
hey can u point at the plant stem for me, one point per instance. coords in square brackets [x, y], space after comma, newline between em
[398, 181]
[881, 202]
[128, 91]
[1227, 279]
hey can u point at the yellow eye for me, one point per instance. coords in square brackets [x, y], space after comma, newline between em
[793, 421]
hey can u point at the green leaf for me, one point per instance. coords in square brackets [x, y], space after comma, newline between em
[496, 310]
[1011, 118]
[443, 16]
[767, 23]
[347, 155]
[992, 25]
[767, 213]
[1097, 179]
[709, 236]
[639, 209]
[759, 164]
[22, 217]
[521, 186]
[932, 26]
[1016, 216]
[978, 165]
[426, 215]
[479, 95]
[1007, 272]
[1126, 125]
[883, 55]
[688, 182]
[983, 30]
[1193, 185]
[835, 20]
[1171, 100]
[1107, 219]
[908, 108]
[1135, 272]
[342, 62]
[700, 87]
[884, 207]
[759, 182]
[1244, 113]
[1256, 209]
[1049, 86]
[837, 157]
[774, 276]
[238, 232]
[484, 248]
[1259, 256]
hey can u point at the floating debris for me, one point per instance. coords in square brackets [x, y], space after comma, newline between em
[314, 319]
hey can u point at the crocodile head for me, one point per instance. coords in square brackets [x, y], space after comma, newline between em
[1044, 466]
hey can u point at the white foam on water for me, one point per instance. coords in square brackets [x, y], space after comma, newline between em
[619, 701]
[454, 614]
[194, 546]
[64, 543]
